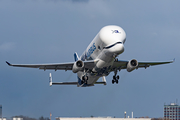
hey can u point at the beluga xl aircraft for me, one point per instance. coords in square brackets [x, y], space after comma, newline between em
[98, 60]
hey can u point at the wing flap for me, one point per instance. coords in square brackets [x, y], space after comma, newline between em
[100, 83]
[120, 64]
[56, 67]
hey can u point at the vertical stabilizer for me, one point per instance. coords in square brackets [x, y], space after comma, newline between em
[76, 57]
[50, 79]
[104, 80]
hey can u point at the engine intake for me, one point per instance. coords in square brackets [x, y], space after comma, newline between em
[78, 66]
[132, 64]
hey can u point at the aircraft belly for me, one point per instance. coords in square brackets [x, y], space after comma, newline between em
[92, 79]
[104, 62]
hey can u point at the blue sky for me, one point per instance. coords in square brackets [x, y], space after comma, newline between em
[50, 31]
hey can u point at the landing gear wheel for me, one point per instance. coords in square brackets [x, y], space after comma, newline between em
[118, 77]
[112, 81]
[84, 77]
[82, 81]
[117, 81]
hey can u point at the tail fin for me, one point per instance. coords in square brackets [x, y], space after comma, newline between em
[76, 57]
[104, 80]
[50, 79]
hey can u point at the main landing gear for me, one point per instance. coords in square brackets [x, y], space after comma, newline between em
[115, 78]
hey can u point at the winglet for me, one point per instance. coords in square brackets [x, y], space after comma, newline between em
[50, 79]
[8, 63]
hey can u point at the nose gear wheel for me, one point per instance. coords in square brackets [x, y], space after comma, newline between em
[84, 79]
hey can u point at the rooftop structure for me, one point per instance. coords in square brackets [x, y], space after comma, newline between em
[172, 111]
[3, 119]
[17, 118]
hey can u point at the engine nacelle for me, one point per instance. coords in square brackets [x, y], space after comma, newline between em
[132, 64]
[78, 66]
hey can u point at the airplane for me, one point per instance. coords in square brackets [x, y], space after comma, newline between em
[98, 60]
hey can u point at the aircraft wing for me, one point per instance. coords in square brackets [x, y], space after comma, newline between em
[147, 64]
[54, 66]
[121, 64]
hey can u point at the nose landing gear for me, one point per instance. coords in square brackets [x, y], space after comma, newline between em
[84, 79]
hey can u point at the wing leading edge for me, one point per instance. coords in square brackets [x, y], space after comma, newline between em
[54, 66]
[123, 64]
[88, 64]
[147, 64]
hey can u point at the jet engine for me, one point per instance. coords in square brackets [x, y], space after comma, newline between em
[132, 64]
[78, 66]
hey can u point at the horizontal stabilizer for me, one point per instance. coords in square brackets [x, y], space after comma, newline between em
[60, 83]
[103, 81]
[65, 83]
[100, 83]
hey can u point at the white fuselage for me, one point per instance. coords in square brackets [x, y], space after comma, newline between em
[104, 48]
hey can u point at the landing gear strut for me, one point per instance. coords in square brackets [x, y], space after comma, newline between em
[84, 77]
[115, 78]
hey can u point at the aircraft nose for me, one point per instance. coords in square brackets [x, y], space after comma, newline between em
[118, 48]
